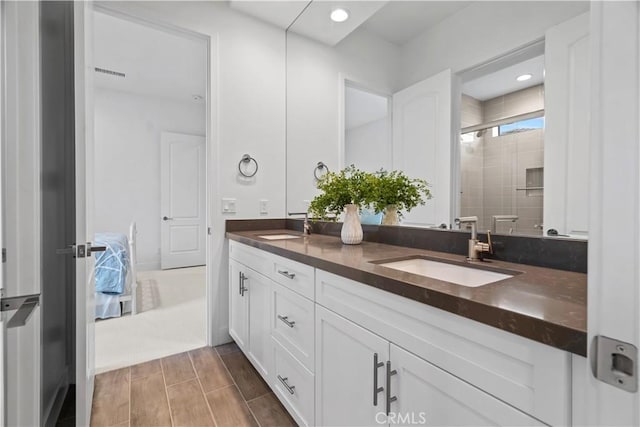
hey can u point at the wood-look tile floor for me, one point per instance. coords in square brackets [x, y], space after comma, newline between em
[204, 387]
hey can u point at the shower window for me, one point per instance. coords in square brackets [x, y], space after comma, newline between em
[521, 126]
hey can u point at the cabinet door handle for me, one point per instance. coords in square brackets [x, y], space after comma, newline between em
[285, 319]
[390, 399]
[376, 365]
[286, 274]
[242, 289]
[290, 388]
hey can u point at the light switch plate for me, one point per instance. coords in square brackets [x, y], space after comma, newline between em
[264, 206]
[228, 205]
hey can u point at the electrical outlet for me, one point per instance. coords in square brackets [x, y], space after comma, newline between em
[228, 205]
[264, 206]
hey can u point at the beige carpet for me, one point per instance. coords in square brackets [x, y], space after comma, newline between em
[171, 319]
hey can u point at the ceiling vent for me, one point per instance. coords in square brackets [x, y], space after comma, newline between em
[109, 72]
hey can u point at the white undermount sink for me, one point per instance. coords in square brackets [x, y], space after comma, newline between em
[280, 236]
[460, 275]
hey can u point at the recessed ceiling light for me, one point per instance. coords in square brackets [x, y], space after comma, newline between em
[339, 15]
[524, 77]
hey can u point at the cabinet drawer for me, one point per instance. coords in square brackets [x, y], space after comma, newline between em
[257, 259]
[530, 376]
[294, 386]
[293, 275]
[292, 324]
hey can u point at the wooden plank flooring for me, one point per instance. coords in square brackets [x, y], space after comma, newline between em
[204, 387]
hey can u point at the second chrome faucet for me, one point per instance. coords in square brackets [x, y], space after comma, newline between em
[476, 247]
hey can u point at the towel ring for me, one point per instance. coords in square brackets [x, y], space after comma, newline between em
[247, 159]
[320, 167]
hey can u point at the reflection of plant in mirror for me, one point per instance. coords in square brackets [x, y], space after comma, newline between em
[349, 186]
[396, 189]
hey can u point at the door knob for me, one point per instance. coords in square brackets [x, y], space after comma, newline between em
[166, 218]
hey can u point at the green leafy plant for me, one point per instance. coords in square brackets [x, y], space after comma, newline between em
[395, 188]
[350, 185]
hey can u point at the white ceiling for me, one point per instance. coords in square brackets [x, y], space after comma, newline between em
[316, 24]
[504, 81]
[363, 107]
[155, 62]
[279, 13]
[400, 21]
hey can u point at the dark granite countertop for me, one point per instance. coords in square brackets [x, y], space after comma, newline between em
[542, 304]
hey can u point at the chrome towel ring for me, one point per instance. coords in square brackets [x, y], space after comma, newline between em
[320, 167]
[247, 159]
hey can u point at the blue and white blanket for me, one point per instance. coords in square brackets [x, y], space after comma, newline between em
[112, 265]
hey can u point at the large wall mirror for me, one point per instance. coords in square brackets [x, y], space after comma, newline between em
[487, 101]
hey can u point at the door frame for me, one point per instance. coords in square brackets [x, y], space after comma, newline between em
[214, 335]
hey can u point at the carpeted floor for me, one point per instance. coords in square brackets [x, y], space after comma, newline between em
[171, 320]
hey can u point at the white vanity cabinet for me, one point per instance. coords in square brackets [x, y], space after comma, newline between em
[250, 314]
[349, 369]
[340, 352]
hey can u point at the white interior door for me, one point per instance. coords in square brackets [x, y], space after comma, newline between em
[85, 279]
[21, 196]
[422, 144]
[182, 200]
[614, 234]
[566, 136]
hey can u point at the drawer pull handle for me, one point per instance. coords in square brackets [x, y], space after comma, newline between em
[286, 274]
[390, 399]
[285, 319]
[376, 365]
[290, 388]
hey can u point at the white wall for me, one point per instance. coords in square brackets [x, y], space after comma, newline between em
[247, 92]
[127, 162]
[314, 88]
[369, 146]
[480, 32]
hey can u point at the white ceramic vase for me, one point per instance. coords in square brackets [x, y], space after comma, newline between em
[390, 215]
[351, 233]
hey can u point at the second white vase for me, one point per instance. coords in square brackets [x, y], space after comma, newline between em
[351, 232]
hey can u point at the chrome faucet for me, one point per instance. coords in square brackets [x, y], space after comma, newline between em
[476, 247]
[306, 228]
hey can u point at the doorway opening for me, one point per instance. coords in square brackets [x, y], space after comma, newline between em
[150, 198]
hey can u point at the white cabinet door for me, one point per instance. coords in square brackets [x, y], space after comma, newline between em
[427, 395]
[238, 305]
[259, 295]
[566, 136]
[345, 373]
[422, 144]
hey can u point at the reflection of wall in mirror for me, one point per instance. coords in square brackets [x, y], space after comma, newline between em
[367, 139]
[494, 166]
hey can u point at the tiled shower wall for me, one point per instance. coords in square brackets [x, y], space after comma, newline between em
[494, 168]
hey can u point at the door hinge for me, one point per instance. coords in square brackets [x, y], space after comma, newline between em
[4, 255]
[209, 231]
[615, 362]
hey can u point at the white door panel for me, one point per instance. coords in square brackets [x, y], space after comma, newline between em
[566, 137]
[20, 167]
[183, 198]
[614, 235]
[422, 144]
[85, 279]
